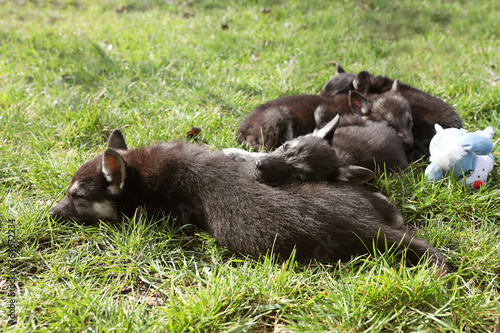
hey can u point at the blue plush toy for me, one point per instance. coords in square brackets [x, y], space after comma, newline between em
[465, 156]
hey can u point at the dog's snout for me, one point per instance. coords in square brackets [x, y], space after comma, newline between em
[260, 164]
[62, 210]
[407, 139]
[51, 213]
[54, 214]
[408, 142]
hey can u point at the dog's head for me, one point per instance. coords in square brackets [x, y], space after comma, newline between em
[95, 189]
[342, 82]
[393, 108]
[308, 158]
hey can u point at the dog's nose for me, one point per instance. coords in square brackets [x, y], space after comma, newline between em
[53, 214]
[260, 164]
[407, 140]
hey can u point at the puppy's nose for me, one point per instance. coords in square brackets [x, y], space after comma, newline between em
[52, 214]
[407, 139]
[260, 164]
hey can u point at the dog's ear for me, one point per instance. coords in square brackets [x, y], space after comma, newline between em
[328, 130]
[362, 82]
[114, 170]
[339, 69]
[395, 87]
[359, 104]
[116, 140]
[355, 174]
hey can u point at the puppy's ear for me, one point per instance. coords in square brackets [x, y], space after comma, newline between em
[339, 69]
[362, 82]
[359, 104]
[114, 170]
[322, 115]
[395, 87]
[355, 174]
[328, 130]
[116, 140]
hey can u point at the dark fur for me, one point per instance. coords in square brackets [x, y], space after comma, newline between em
[270, 125]
[389, 108]
[310, 160]
[327, 155]
[373, 145]
[208, 189]
[427, 110]
[357, 141]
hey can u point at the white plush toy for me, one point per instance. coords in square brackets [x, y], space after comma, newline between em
[465, 156]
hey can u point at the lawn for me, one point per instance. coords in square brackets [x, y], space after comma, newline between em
[71, 71]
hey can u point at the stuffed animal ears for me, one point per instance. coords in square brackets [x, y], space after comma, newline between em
[438, 128]
[487, 132]
[432, 173]
[477, 143]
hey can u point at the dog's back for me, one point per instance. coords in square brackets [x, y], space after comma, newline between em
[275, 122]
[375, 145]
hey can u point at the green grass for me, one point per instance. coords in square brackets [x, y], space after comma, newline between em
[73, 70]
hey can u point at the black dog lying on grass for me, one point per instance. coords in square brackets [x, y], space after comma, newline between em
[321, 221]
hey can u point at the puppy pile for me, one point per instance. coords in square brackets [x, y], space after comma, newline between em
[366, 103]
[303, 193]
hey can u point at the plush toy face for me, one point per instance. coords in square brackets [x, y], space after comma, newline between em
[478, 177]
[465, 156]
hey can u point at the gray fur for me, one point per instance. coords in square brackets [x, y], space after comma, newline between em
[340, 84]
[392, 108]
[332, 153]
[357, 141]
[373, 145]
[427, 110]
[312, 158]
[270, 125]
[389, 107]
[308, 158]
